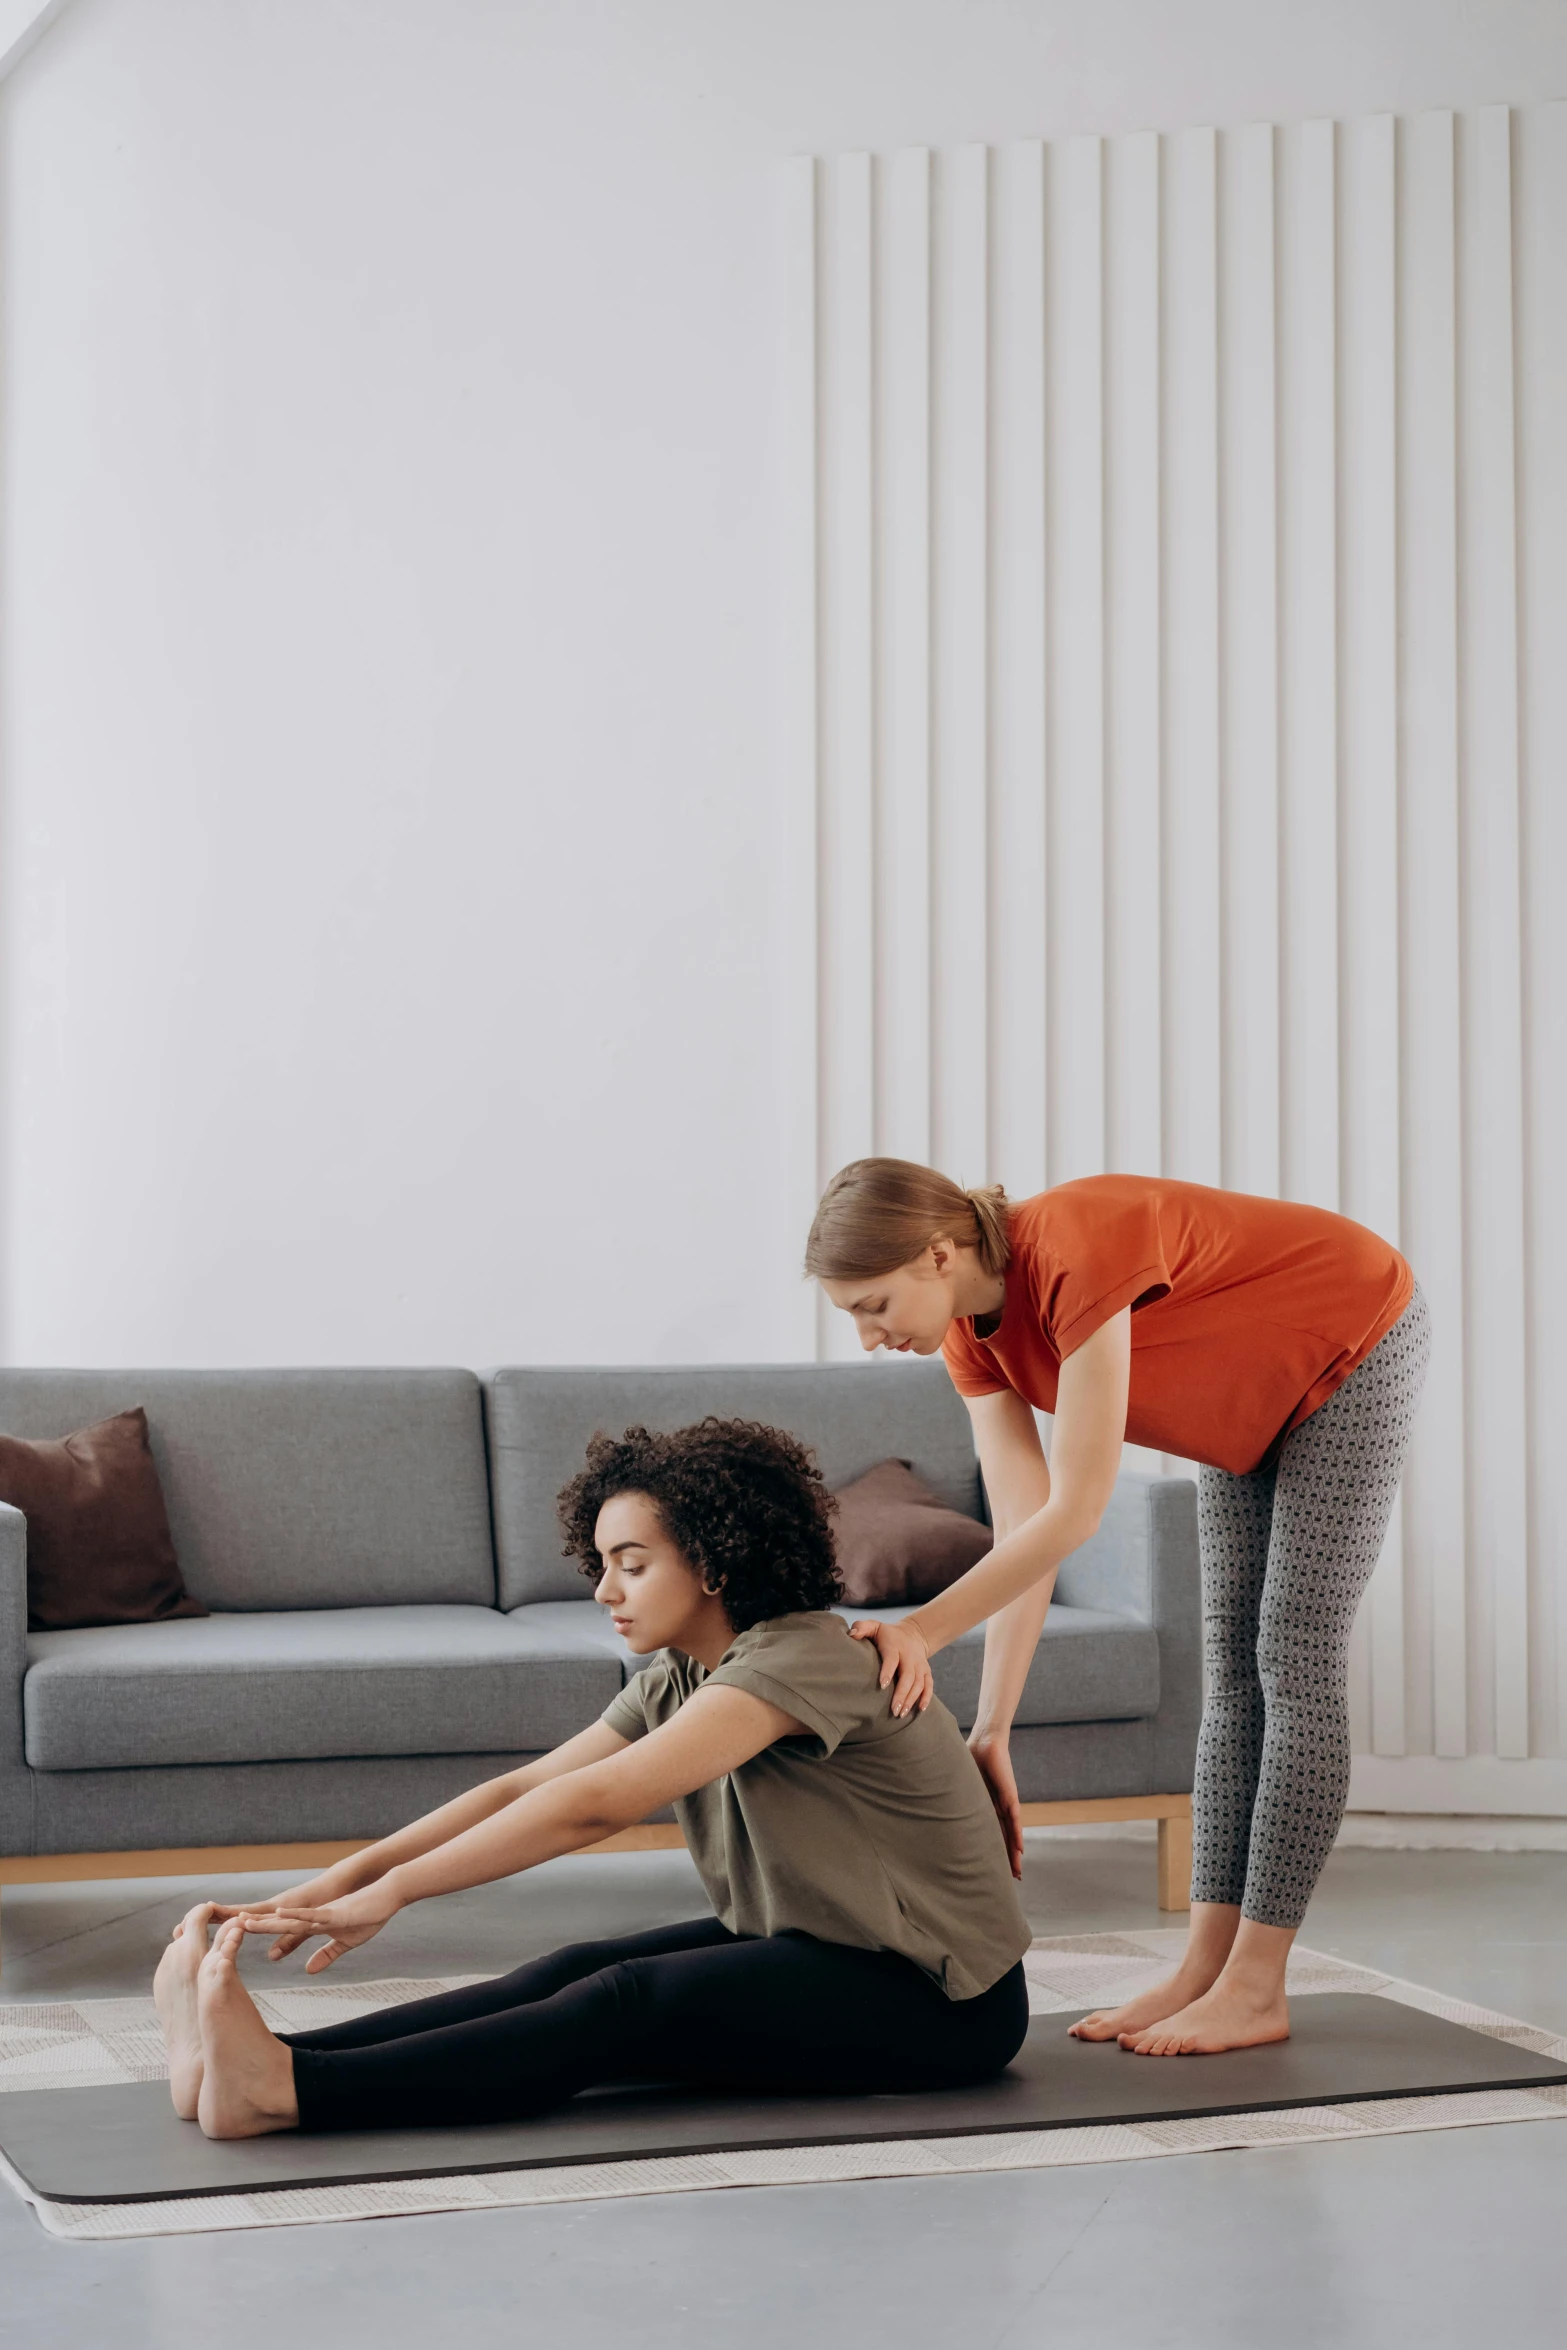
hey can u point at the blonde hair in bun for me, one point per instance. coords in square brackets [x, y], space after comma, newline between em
[877, 1214]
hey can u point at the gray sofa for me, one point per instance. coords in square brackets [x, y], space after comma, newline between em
[393, 1619]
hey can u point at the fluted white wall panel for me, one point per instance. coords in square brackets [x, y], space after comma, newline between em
[1074, 657]
[1367, 505]
[1188, 713]
[1306, 477]
[1495, 1294]
[960, 506]
[1432, 1109]
[1018, 868]
[845, 794]
[1134, 700]
[1249, 680]
[1189, 389]
[1540, 514]
[902, 680]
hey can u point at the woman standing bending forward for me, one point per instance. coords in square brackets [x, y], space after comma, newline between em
[1281, 1348]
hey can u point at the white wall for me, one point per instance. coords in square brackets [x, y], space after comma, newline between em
[397, 927]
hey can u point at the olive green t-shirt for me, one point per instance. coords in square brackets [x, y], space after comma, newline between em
[866, 1830]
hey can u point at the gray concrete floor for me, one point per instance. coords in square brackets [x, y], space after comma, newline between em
[1444, 2239]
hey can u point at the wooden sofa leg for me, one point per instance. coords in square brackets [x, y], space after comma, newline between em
[1175, 1863]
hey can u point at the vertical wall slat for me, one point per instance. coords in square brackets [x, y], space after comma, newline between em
[1074, 346]
[902, 670]
[1250, 743]
[799, 619]
[1133, 701]
[1308, 678]
[1018, 688]
[1496, 1408]
[1190, 810]
[1368, 793]
[960, 1038]
[1434, 1513]
[1307, 359]
[1541, 286]
[846, 809]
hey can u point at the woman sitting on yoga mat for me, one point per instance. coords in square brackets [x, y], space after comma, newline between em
[867, 1934]
[1281, 1348]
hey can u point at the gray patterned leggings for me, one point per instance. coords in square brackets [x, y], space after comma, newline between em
[1286, 1553]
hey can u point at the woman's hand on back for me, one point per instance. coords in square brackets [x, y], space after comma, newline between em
[905, 1662]
[995, 1764]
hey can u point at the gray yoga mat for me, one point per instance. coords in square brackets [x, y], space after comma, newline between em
[126, 2145]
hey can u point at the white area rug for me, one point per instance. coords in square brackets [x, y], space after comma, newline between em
[64, 2046]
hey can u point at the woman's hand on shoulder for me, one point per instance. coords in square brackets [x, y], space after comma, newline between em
[905, 1662]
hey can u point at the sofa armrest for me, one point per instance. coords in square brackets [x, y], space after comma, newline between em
[16, 1780]
[1143, 1562]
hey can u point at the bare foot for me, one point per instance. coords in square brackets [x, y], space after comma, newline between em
[174, 1994]
[247, 2080]
[1149, 2007]
[1228, 2016]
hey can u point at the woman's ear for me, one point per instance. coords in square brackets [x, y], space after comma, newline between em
[712, 1590]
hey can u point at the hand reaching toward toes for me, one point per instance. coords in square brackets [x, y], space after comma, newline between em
[297, 1900]
[346, 1923]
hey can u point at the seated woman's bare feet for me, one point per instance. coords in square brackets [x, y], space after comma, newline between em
[174, 1995]
[1231, 2015]
[1149, 2007]
[247, 2078]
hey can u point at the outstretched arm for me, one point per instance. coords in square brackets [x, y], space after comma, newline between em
[1068, 1502]
[476, 1804]
[1017, 1480]
[714, 1732]
[1085, 1458]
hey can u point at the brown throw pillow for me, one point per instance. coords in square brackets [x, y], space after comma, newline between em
[99, 1549]
[898, 1542]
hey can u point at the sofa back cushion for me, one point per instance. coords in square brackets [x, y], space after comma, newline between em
[898, 1543]
[851, 1414]
[298, 1489]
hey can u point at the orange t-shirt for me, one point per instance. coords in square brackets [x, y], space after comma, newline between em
[1246, 1313]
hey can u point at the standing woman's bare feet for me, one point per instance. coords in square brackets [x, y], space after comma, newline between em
[1240, 2004]
[1234, 2014]
[174, 1995]
[1177, 1991]
[1227, 1992]
[247, 2081]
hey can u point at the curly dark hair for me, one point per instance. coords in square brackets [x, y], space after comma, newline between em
[745, 1503]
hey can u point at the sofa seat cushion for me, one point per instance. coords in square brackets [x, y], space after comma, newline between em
[577, 1622]
[1088, 1667]
[299, 1685]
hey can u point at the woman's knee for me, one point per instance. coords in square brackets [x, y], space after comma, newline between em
[981, 2036]
[1007, 2021]
[1309, 1681]
[571, 1963]
[1230, 1679]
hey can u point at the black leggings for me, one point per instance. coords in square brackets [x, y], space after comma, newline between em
[691, 2003]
